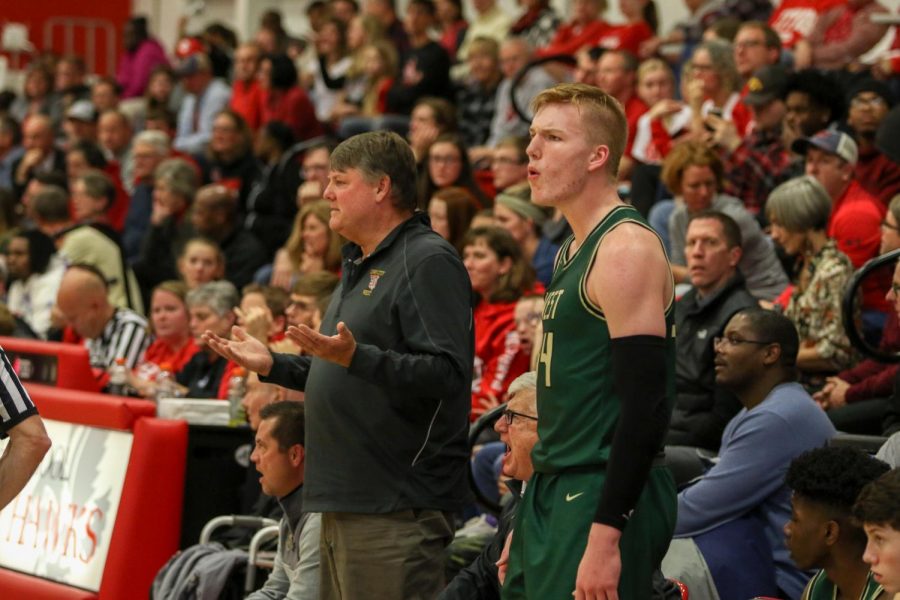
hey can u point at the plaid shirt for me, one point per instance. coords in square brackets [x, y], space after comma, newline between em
[756, 167]
[475, 112]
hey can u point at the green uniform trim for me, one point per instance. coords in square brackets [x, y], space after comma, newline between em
[579, 411]
[822, 588]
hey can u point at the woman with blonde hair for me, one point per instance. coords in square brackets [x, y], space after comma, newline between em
[368, 82]
[312, 246]
[713, 92]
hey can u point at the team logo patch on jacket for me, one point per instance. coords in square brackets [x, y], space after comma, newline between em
[374, 276]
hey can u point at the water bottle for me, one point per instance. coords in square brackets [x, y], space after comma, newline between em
[165, 382]
[237, 387]
[118, 378]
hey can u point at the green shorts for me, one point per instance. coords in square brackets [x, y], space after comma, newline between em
[552, 526]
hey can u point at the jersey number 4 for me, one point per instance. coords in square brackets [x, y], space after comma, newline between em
[546, 355]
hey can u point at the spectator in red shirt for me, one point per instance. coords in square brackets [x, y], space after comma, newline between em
[500, 276]
[841, 35]
[857, 398]
[869, 102]
[246, 94]
[284, 100]
[713, 88]
[585, 29]
[640, 26]
[855, 223]
[794, 20]
[451, 25]
[172, 341]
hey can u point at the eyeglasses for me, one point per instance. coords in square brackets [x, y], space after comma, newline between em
[299, 305]
[444, 160]
[863, 102]
[744, 45]
[884, 223]
[509, 415]
[308, 170]
[506, 161]
[531, 319]
[733, 340]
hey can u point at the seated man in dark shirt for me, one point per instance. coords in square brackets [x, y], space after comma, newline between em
[215, 215]
[702, 408]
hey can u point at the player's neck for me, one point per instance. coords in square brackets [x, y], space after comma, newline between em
[585, 211]
[849, 574]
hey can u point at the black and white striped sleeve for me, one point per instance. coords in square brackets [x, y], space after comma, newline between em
[129, 339]
[15, 404]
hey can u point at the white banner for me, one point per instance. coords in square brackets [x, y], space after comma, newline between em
[60, 525]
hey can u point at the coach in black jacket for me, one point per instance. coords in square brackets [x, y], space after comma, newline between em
[387, 383]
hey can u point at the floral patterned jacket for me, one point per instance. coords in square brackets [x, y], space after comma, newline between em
[816, 309]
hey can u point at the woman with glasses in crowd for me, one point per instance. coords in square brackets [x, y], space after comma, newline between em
[448, 165]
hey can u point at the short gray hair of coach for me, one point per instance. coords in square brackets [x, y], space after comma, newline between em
[800, 204]
[526, 382]
[380, 154]
[179, 176]
[158, 140]
[221, 296]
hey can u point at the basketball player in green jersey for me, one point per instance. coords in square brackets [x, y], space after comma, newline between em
[598, 514]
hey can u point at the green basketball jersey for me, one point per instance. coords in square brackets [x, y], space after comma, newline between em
[577, 406]
[821, 588]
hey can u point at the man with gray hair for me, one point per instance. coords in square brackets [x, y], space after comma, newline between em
[855, 223]
[387, 380]
[517, 427]
[148, 150]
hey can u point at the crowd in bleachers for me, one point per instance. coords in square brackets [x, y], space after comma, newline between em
[187, 193]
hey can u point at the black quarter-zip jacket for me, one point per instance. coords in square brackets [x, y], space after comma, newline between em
[389, 432]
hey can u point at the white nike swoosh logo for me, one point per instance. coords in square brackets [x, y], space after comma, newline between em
[570, 497]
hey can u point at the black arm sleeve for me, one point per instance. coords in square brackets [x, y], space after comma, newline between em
[639, 380]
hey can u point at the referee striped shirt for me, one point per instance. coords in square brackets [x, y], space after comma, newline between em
[15, 405]
[125, 336]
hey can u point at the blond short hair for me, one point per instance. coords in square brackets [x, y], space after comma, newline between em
[602, 115]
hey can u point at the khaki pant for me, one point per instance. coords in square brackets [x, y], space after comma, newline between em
[388, 556]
